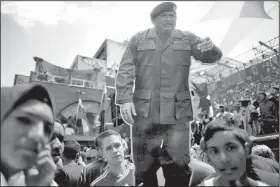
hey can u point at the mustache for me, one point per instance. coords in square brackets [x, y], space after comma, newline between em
[56, 152]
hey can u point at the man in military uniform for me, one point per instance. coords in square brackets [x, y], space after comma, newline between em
[159, 60]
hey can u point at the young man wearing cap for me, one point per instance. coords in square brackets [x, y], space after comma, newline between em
[27, 116]
[159, 60]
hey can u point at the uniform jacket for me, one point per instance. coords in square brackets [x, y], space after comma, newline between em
[69, 175]
[161, 74]
[268, 110]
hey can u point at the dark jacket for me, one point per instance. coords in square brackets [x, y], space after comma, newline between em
[161, 75]
[69, 175]
[275, 100]
[268, 110]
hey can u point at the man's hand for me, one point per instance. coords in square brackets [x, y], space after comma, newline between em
[205, 44]
[127, 110]
[43, 173]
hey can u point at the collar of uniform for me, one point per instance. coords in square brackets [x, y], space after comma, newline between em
[151, 33]
[174, 34]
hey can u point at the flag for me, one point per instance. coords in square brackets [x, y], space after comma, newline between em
[82, 116]
[211, 111]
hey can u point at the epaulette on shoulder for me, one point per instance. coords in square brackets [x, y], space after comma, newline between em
[141, 34]
[186, 33]
[190, 36]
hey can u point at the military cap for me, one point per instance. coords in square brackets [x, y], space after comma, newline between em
[163, 7]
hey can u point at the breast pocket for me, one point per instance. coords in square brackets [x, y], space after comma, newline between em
[146, 50]
[182, 52]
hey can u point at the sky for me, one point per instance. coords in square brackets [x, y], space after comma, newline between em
[58, 31]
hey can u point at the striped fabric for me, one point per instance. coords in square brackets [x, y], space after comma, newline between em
[109, 179]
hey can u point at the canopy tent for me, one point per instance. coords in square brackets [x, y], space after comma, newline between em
[240, 41]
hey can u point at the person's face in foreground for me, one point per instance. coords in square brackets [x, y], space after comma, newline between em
[24, 133]
[113, 149]
[227, 155]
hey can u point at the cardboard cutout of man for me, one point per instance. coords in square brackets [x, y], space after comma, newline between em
[159, 60]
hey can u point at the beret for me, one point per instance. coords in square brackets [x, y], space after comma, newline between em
[163, 7]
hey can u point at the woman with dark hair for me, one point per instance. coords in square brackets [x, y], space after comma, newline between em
[229, 152]
[27, 118]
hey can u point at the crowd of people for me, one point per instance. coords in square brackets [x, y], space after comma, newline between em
[260, 115]
[245, 90]
[31, 155]
[210, 151]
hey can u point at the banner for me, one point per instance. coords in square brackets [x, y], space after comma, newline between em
[82, 63]
[86, 72]
[49, 72]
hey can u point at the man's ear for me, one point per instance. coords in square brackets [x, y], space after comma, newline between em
[248, 149]
[100, 152]
[125, 146]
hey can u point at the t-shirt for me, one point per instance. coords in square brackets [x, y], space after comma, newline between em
[91, 172]
[266, 169]
[73, 172]
[109, 179]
